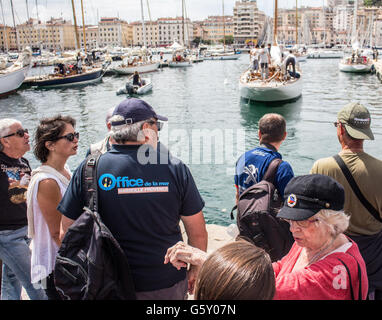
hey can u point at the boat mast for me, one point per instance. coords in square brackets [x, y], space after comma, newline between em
[151, 23]
[184, 43]
[143, 26]
[75, 26]
[223, 27]
[83, 25]
[296, 24]
[354, 28]
[14, 25]
[275, 25]
[4, 30]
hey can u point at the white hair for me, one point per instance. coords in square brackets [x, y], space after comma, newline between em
[126, 132]
[5, 125]
[338, 221]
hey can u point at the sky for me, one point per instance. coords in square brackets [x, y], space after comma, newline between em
[130, 10]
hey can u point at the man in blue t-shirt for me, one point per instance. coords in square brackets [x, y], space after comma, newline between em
[252, 165]
[143, 195]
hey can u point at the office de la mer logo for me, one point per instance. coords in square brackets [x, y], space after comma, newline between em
[126, 185]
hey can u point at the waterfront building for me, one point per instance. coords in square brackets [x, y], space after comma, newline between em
[215, 27]
[114, 32]
[55, 34]
[7, 38]
[248, 22]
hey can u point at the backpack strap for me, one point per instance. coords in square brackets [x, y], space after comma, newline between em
[345, 170]
[89, 175]
[270, 174]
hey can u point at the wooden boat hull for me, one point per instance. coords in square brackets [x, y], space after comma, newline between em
[11, 81]
[75, 80]
[279, 92]
[140, 68]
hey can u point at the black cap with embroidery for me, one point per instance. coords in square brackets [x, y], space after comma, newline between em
[306, 195]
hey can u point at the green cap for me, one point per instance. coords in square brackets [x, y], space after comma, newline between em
[356, 119]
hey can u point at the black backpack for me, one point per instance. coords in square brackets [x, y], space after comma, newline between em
[257, 208]
[90, 264]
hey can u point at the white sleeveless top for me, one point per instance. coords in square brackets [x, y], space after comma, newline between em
[44, 248]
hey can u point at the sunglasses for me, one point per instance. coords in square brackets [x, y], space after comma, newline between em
[301, 223]
[70, 136]
[158, 124]
[20, 133]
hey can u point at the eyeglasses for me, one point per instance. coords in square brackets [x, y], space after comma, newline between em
[70, 136]
[158, 124]
[301, 223]
[20, 133]
[337, 123]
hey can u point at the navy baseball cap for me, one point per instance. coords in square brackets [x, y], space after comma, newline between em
[307, 195]
[134, 110]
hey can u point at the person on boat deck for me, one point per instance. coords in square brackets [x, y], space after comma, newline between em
[255, 58]
[137, 79]
[79, 64]
[290, 60]
[265, 60]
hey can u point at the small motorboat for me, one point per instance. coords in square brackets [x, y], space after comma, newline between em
[131, 89]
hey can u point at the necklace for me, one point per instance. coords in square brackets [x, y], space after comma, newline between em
[320, 253]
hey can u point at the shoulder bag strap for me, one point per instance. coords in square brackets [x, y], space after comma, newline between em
[90, 181]
[356, 189]
[359, 279]
[270, 174]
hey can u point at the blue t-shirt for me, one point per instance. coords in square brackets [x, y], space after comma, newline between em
[252, 165]
[141, 204]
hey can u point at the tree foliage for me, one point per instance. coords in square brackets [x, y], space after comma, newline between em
[371, 3]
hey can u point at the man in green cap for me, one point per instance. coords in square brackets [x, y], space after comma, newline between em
[361, 176]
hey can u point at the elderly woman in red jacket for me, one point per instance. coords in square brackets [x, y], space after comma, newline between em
[323, 263]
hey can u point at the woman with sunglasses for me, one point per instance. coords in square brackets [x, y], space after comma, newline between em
[55, 142]
[323, 264]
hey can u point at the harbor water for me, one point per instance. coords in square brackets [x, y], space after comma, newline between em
[209, 124]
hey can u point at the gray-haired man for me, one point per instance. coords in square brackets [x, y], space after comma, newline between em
[14, 244]
[142, 201]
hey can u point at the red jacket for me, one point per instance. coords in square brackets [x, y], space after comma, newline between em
[326, 279]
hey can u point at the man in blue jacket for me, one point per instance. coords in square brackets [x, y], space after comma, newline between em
[252, 165]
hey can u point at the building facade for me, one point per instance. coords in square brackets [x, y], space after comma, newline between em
[248, 22]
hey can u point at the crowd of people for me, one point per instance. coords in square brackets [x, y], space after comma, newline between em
[142, 199]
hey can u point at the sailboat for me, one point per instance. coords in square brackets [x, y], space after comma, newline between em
[13, 76]
[180, 57]
[221, 55]
[356, 63]
[300, 54]
[278, 86]
[141, 64]
[65, 78]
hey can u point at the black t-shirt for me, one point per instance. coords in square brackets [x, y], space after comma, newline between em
[141, 203]
[13, 208]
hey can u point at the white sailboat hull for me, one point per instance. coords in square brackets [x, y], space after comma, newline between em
[271, 92]
[140, 68]
[10, 81]
[222, 57]
[181, 64]
[355, 68]
[325, 55]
